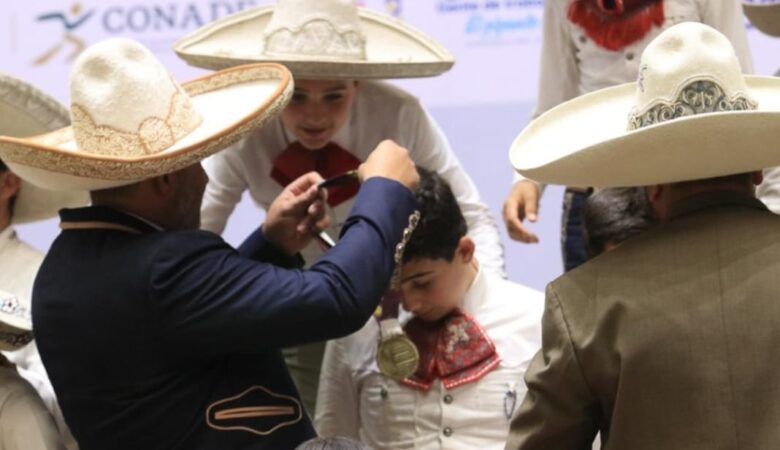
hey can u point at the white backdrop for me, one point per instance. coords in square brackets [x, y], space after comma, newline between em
[482, 103]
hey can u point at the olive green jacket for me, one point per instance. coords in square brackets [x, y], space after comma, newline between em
[671, 341]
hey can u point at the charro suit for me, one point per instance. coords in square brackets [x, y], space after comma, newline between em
[671, 341]
[171, 339]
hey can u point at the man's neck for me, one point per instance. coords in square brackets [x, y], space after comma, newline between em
[5, 221]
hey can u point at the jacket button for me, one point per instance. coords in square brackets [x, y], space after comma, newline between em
[447, 431]
[448, 399]
[630, 56]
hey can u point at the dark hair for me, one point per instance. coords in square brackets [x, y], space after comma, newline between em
[614, 215]
[441, 222]
[332, 443]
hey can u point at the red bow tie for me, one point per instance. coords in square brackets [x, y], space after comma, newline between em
[616, 24]
[329, 161]
[455, 349]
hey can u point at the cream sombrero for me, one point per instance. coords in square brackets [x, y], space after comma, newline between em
[691, 115]
[763, 15]
[26, 111]
[131, 120]
[317, 39]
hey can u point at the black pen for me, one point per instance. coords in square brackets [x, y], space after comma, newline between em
[343, 178]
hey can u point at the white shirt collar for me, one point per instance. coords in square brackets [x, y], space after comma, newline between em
[476, 293]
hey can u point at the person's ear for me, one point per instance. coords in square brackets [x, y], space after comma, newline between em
[10, 184]
[164, 185]
[757, 178]
[654, 193]
[466, 249]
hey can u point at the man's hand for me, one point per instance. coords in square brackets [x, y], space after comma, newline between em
[522, 203]
[297, 214]
[390, 160]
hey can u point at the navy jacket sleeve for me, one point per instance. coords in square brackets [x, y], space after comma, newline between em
[257, 247]
[210, 299]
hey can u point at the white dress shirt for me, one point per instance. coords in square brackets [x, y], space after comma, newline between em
[25, 424]
[572, 64]
[19, 264]
[380, 111]
[356, 400]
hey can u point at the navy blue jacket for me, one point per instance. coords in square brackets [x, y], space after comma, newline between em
[156, 339]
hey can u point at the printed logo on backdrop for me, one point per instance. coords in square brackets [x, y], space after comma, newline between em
[70, 44]
[495, 21]
[156, 24]
[391, 7]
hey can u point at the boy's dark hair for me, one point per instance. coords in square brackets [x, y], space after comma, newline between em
[614, 215]
[441, 222]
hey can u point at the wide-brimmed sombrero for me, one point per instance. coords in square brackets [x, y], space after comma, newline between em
[763, 15]
[26, 111]
[131, 120]
[15, 322]
[317, 39]
[690, 115]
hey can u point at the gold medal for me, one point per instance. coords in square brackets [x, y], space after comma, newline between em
[396, 354]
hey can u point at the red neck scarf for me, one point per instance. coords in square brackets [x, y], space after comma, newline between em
[329, 161]
[616, 24]
[456, 349]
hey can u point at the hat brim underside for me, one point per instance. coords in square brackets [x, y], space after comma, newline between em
[766, 18]
[393, 49]
[585, 142]
[232, 103]
[27, 111]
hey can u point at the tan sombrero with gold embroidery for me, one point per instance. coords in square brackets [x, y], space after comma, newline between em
[765, 16]
[691, 115]
[131, 120]
[317, 39]
[26, 111]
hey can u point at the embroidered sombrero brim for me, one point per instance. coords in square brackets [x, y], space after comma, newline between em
[13, 337]
[15, 322]
[232, 103]
[765, 17]
[26, 111]
[393, 49]
[586, 142]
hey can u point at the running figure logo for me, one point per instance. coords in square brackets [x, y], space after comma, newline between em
[69, 39]
[394, 7]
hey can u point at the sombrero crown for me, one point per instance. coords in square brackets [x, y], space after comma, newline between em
[690, 115]
[131, 120]
[317, 39]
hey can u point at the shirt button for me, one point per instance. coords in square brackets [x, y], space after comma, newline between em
[583, 39]
[448, 399]
[447, 431]
[630, 56]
